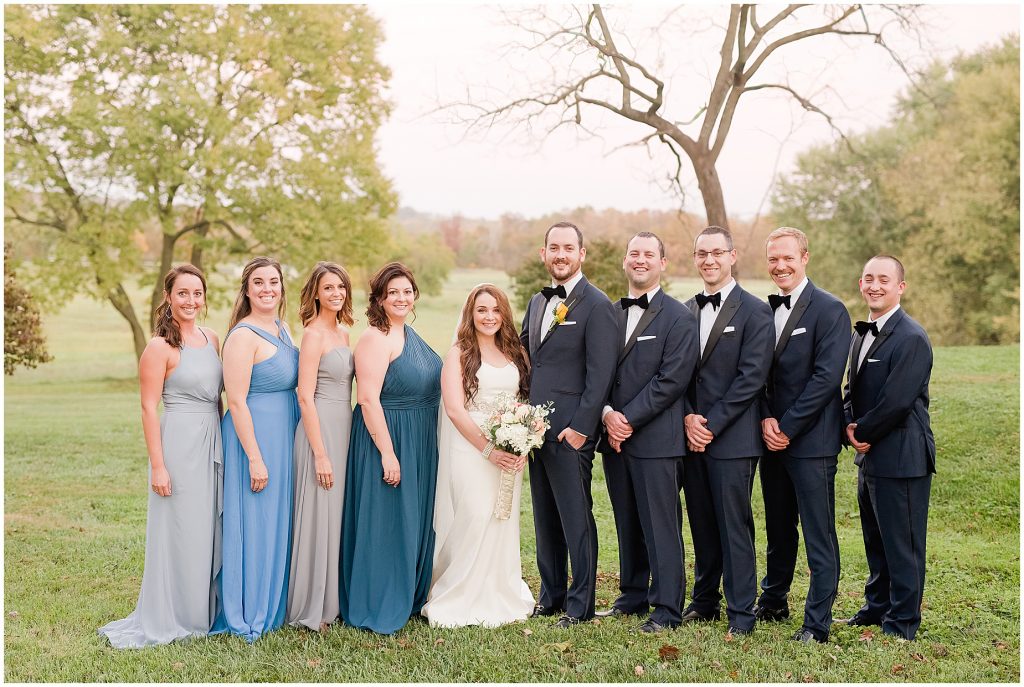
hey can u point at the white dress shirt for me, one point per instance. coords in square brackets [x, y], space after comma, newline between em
[549, 311]
[709, 314]
[869, 338]
[782, 313]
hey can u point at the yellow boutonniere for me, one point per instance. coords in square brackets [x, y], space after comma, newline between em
[560, 311]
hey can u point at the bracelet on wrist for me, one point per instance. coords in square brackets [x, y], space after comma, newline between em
[486, 453]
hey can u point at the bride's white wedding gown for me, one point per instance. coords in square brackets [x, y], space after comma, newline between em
[477, 577]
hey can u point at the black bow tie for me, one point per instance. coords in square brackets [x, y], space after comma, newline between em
[641, 302]
[865, 327]
[549, 291]
[714, 299]
[775, 301]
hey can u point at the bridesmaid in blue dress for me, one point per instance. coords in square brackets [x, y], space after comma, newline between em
[387, 538]
[260, 373]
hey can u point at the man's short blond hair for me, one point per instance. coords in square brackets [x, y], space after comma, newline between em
[801, 238]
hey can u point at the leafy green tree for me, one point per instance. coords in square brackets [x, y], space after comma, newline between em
[24, 343]
[429, 259]
[939, 188]
[236, 129]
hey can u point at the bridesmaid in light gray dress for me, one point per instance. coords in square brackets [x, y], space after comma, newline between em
[321, 446]
[181, 367]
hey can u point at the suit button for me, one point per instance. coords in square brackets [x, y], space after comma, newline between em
[700, 380]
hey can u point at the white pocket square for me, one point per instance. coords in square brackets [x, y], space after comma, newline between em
[645, 338]
[728, 329]
[566, 324]
[801, 330]
[874, 360]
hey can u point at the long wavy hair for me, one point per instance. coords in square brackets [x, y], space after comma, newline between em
[166, 326]
[309, 304]
[242, 306]
[376, 317]
[506, 339]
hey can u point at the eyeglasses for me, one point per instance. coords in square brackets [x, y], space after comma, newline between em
[703, 254]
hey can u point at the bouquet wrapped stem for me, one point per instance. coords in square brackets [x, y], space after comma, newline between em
[518, 428]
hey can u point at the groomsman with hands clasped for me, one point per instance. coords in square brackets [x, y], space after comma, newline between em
[723, 429]
[886, 416]
[569, 334]
[644, 441]
[802, 410]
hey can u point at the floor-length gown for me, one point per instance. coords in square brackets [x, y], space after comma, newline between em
[477, 567]
[257, 526]
[316, 529]
[387, 541]
[178, 595]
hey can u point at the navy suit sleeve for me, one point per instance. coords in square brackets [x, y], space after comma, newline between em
[679, 359]
[524, 335]
[911, 366]
[847, 398]
[754, 365]
[601, 354]
[829, 361]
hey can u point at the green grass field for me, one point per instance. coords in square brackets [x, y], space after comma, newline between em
[75, 509]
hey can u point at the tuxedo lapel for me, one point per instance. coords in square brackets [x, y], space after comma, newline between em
[537, 306]
[858, 343]
[883, 335]
[794, 318]
[645, 320]
[572, 299]
[729, 308]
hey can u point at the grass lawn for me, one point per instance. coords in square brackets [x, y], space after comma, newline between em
[75, 484]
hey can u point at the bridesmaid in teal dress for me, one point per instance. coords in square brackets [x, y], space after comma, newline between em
[260, 373]
[387, 538]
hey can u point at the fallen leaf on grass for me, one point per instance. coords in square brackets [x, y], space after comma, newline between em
[595, 621]
[638, 670]
[178, 665]
[940, 649]
[808, 678]
[897, 668]
[438, 642]
[866, 636]
[404, 643]
[12, 614]
[667, 652]
[919, 657]
[999, 644]
[313, 663]
[716, 664]
[560, 647]
[733, 674]
[789, 675]
[527, 632]
[728, 636]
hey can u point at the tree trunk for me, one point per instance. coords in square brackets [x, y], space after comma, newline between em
[197, 247]
[711, 191]
[118, 297]
[166, 257]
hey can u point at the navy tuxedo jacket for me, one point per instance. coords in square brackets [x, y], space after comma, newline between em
[654, 370]
[804, 389]
[888, 399]
[731, 374]
[574, 364]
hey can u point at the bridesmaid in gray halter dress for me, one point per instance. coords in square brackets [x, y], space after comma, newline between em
[321, 446]
[181, 366]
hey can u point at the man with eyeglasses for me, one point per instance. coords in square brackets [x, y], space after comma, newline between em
[886, 416]
[801, 409]
[723, 430]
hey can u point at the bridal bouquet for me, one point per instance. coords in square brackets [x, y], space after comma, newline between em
[518, 428]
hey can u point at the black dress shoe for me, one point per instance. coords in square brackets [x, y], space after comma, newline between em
[567, 621]
[857, 620]
[652, 626]
[739, 631]
[539, 610]
[806, 636]
[690, 615]
[769, 614]
[613, 612]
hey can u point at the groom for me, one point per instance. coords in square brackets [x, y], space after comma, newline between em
[569, 332]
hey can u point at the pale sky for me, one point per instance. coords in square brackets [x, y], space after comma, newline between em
[437, 52]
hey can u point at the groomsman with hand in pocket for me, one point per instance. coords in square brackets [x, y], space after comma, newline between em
[801, 410]
[644, 442]
[723, 430]
[886, 416]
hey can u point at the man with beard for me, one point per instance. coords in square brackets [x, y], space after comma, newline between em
[569, 333]
[644, 444]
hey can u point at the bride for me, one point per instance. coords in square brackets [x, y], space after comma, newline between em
[477, 577]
